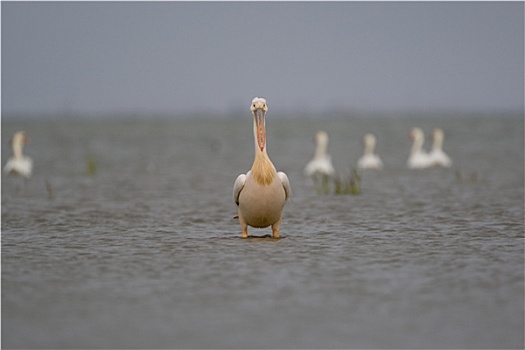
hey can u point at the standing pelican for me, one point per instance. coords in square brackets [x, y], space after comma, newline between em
[418, 158]
[18, 163]
[438, 157]
[321, 164]
[369, 160]
[262, 192]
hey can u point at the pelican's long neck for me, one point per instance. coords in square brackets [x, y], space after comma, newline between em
[437, 144]
[17, 146]
[369, 147]
[320, 149]
[417, 145]
[263, 170]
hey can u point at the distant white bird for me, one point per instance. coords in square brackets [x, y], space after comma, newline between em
[419, 158]
[262, 192]
[19, 164]
[437, 156]
[369, 160]
[321, 164]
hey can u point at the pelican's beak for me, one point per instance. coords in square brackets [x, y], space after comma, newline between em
[259, 124]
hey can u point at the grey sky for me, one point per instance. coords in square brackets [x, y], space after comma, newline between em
[176, 57]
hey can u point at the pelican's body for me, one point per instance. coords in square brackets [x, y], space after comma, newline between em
[369, 160]
[262, 192]
[419, 158]
[19, 164]
[437, 156]
[321, 164]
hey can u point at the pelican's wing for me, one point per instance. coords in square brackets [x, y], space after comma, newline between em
[237, 187]
[8, 166]
[286, 184]
[329, 168]
[309, 170]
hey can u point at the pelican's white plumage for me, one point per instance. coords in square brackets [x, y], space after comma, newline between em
[19, 164]
[438, 157]
[419, 158]
[321, 164]
[262, 192]
[369, 160]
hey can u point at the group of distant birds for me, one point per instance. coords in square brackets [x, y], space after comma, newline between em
[321, 170]
[321, 163]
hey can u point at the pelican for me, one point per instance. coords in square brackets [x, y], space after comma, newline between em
[438, 157]
[19, 164]
[262, 192]
[418, 158]
[369, 160]
[321, 164]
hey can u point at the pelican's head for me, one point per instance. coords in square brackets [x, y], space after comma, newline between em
[321, 138]
[259, 103]
[19, 138]
[259, 109]
[438, 134]
[369, 140]
[416, 134]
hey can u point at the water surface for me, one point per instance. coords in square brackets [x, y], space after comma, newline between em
[125, 238]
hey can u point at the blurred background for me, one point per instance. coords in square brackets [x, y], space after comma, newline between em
[175, 58]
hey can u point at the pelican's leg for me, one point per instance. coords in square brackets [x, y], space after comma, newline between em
[318, 186]
[326, 184]
[275, 229]
[244, 226]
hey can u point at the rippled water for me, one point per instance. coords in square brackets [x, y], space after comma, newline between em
[125, 238]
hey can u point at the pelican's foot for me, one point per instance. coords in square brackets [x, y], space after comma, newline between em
[275, 233]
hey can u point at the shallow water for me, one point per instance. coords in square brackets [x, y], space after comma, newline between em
[139, 249]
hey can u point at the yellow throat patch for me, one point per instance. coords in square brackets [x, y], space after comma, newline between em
[263, 170]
